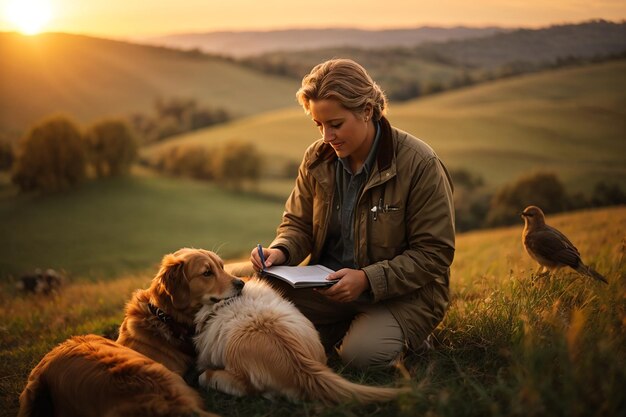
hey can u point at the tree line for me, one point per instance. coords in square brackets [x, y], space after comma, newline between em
[478, 207]
[395, 68]
[230, 164]
[57, 154]
[173, 116]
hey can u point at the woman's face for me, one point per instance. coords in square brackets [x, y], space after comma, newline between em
[350, 135]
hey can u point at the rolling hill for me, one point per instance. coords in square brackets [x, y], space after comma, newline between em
[249, 43]
[90, 78]
[407, 72]
[570, 121]
[545, 45]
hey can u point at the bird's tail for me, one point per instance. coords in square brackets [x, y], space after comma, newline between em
[590, 272]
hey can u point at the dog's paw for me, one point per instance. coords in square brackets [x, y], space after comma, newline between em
[205, 379]
[202, 380]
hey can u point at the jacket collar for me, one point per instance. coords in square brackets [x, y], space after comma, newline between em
[385, 147]
[384, 157]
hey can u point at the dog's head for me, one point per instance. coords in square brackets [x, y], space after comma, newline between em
[192, 277]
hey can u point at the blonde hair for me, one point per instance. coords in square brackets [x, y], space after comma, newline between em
[345, 81]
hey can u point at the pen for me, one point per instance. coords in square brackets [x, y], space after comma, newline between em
[259, 248]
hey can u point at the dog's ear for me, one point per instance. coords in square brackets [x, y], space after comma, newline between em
[172, 277]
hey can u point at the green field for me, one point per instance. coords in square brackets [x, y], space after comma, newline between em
[570, 121]
[512, 344]
[90, 78]
[106, 228]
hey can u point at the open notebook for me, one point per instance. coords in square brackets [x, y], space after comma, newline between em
[302, 276]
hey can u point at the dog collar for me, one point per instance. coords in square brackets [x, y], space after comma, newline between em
[160, 314]
[182, 332]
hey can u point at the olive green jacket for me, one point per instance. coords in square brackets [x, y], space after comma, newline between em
[403, 225]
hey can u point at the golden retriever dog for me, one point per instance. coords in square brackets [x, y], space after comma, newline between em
[141, 374]
[258, 342]
[89, 376]
[159, 321]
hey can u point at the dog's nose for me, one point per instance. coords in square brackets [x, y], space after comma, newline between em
[238, 284]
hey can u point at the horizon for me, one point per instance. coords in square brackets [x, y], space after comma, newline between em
[139, 38]
[116, 19]
[365, 29]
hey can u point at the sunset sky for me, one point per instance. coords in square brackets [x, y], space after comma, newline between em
[129, 18]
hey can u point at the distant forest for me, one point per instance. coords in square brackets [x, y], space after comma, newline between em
[409, 72]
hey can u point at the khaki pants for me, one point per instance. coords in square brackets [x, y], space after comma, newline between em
[371, 335]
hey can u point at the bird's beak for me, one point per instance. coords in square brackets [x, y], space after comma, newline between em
[523, 214]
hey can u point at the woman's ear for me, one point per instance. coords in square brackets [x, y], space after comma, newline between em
[173, 279]
[368, 112]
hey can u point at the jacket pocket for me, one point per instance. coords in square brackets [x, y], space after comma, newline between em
[387, 232]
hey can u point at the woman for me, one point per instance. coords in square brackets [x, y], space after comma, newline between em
[374, 204]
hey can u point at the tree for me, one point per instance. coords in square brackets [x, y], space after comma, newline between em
[471, 199]
[193, 161]
[464, 178]
[230, 165]
[112, 147]
[607, 194]
[542, 189]
[237, 162]
[50, 157]
[6, 155]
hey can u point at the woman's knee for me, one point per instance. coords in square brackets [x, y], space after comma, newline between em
[361, 355]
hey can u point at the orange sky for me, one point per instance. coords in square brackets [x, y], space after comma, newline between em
[128, 18]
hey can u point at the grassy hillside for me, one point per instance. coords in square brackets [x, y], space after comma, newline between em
[570, 121]
[590, 39]
[511, 344]
[546, 45]
[407, 72]
[400, 72]
[106, 228]
[91, 78]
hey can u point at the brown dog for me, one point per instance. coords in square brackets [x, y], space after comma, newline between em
[92, 376]
[159, 321]
[140, 375]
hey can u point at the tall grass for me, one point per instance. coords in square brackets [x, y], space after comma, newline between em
[32, 325]
[512, 344]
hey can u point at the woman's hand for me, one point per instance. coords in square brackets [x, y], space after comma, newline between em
[272, 257]
[352, 283]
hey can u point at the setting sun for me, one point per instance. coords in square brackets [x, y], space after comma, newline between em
[29, 16]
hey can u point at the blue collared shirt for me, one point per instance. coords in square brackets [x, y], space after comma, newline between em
[338, 249]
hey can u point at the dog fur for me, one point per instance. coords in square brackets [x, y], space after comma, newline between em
[90, 376]
[141, 374]
[259, 342]
[186, 280]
